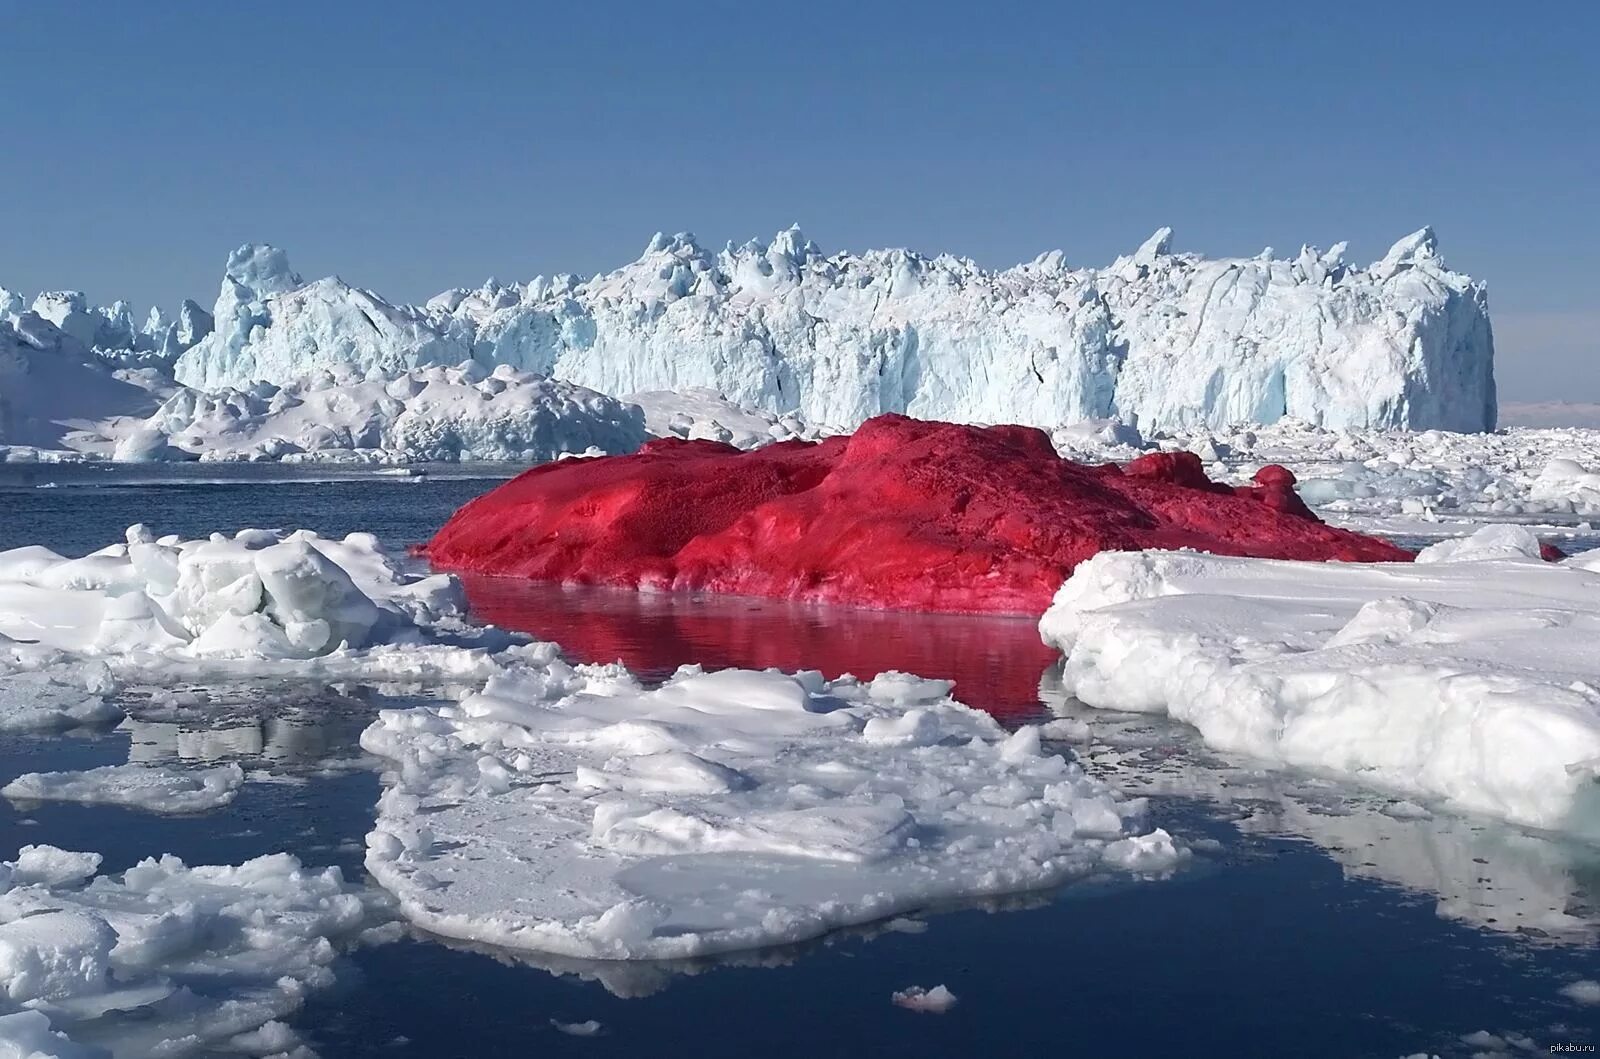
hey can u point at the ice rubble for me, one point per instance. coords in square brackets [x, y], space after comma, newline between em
[572, 811]
[153, 788]
[1468, 677]
[257, 595]
[1159, 338]
[432, 414]
[165, 959]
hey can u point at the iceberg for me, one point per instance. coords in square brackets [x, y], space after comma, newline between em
[1158, 339]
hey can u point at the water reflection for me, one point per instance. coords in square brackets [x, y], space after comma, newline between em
[995, 661]
[282, 728]
[1477, 871]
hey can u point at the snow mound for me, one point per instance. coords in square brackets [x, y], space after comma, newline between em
[1159, 339]
[153, 788]
[1471, 679]
[165, 959]
[571, 811]
[432, 414]
[903, 513]
[257, 595]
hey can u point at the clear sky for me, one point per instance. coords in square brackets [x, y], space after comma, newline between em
[410, 147]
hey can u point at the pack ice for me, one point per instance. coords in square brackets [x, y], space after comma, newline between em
[1469, 677]
[1158, 339]
[572, 811]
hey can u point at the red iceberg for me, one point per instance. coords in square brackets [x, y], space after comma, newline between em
[903, 513]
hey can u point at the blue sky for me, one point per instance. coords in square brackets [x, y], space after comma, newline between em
[411, 147]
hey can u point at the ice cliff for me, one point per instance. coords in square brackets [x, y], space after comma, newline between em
[1158, 339]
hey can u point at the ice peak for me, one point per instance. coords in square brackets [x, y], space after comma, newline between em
[1420, 245]
[1158, 245]
[792, 244]
[263, 270]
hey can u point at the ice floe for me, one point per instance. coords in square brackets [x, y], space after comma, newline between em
[1471, 680]
[572, 811]
[153, 788]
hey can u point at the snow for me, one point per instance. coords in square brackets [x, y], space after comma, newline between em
[152, 788]
[1468, 677]
[257, 595]
[935, 1001]
[165, 959]
[1158, 339]
[572, 811]
[432, 414]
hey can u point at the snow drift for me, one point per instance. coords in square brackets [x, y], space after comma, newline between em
[1467, 677]
[903, 513]
[1158, 339]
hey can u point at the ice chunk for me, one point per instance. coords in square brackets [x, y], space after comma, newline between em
[935, 1001]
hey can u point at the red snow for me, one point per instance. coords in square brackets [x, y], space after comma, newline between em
[903, 513]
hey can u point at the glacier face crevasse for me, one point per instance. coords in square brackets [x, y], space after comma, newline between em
[1159, 339]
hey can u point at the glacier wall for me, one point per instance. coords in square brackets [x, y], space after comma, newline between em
[1159, 339]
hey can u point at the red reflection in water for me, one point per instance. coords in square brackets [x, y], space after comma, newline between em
[996, 662]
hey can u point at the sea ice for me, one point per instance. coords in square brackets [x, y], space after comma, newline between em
[572, 811]
[1472, 679]
[153, 788]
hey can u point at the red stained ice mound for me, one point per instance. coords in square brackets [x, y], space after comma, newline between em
[902, 513]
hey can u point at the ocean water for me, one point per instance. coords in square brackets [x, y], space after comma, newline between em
[1309, 923]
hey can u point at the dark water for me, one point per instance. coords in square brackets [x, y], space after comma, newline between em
[1308, 924]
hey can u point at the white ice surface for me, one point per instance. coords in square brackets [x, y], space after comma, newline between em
[571, 811]
[165, 959]
[1472, 680]
[1159, 339]
[153, 788]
